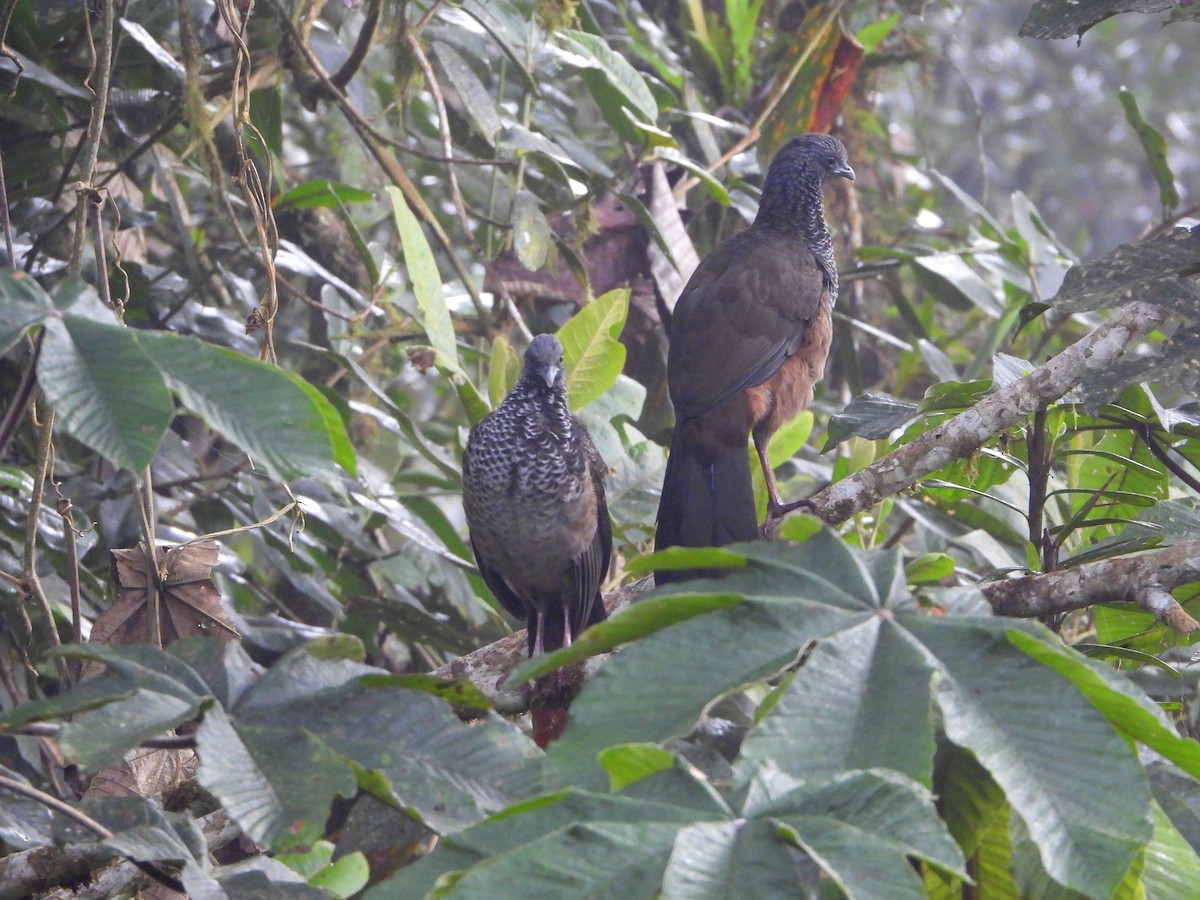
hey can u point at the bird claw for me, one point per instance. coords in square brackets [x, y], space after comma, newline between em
[776, 511]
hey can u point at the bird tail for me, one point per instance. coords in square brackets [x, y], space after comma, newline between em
[707, 497]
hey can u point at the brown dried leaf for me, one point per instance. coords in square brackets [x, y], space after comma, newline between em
[144, 772]
[189, 602]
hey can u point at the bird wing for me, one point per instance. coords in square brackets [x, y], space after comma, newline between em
[744, 311]
[500, 589]
[591, 566]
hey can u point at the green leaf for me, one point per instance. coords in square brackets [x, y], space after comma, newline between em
[1064, 18]
[792, 594]
[456, 693]
[23, 304]
[322, 192]
[279, 419]
[630, 763]
[276, 783]
[345, 877]
[862, 828]
[674, 156]
[144, 693]
[873, 416]
[951, 270]
[308, 863]
[1113, 695]
[473, 97]
[408, 747]
[105, 389]
[1172, 867]
[590, 52]
[422, 269]
[1087, 823]
[504, 368]
[1155, 147]
[929, 567]
[650, 614]
[870, 36]
[532, 238]
[266, 114]
[867, 679]
[672, 559]
[592, 353]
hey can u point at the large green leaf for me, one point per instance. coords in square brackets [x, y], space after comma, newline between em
[1172, 867]
[860, 682]
[23, 304]
[426, 281]
[883, 675]
[279, 419]
[612, 81]
[789, 598]
[142, 693]
[276, 783]
[422, 756]
[471, 95]
[1088, 822]
[863, 828]
[107, 392]
[592, 353]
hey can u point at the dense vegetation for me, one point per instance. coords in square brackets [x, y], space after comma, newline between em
[265, 265]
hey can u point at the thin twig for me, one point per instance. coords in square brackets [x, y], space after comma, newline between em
[444, 130]
[32, 581]
[145, 496]
[102, 64]
[21, 396]
[4, 219]
[72, 548]
[57, 805]
[362, 45]
[52, 730]
[377, 144]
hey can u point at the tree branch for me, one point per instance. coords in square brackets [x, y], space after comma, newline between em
[972, 428]
[1119, 580]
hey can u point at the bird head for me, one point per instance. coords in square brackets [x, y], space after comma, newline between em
[543, 359]
[822, 152]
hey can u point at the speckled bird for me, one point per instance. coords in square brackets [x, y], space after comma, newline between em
[533, 491]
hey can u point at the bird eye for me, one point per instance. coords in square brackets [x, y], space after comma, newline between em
[831, 160]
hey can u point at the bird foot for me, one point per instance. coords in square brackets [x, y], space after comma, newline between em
[776, 511]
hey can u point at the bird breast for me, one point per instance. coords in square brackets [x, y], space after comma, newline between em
[530, 502]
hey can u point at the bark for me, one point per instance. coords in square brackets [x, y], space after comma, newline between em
[1121, 580]
[998, 412]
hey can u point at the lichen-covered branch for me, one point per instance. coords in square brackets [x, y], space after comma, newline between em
[1109, 581]
[995, 414]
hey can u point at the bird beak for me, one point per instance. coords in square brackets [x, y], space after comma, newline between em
[548, 374]
[844, 172]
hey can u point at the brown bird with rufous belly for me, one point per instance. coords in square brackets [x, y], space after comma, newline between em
[749, 338]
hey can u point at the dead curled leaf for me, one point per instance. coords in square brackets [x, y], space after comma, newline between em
[189, 601]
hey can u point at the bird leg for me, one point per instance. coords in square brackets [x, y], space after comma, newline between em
[776, 508]
[539, 626]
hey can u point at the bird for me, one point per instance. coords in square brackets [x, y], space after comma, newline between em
[533, 494]
[749, 337]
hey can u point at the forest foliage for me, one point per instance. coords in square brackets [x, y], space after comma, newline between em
[266, 263]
